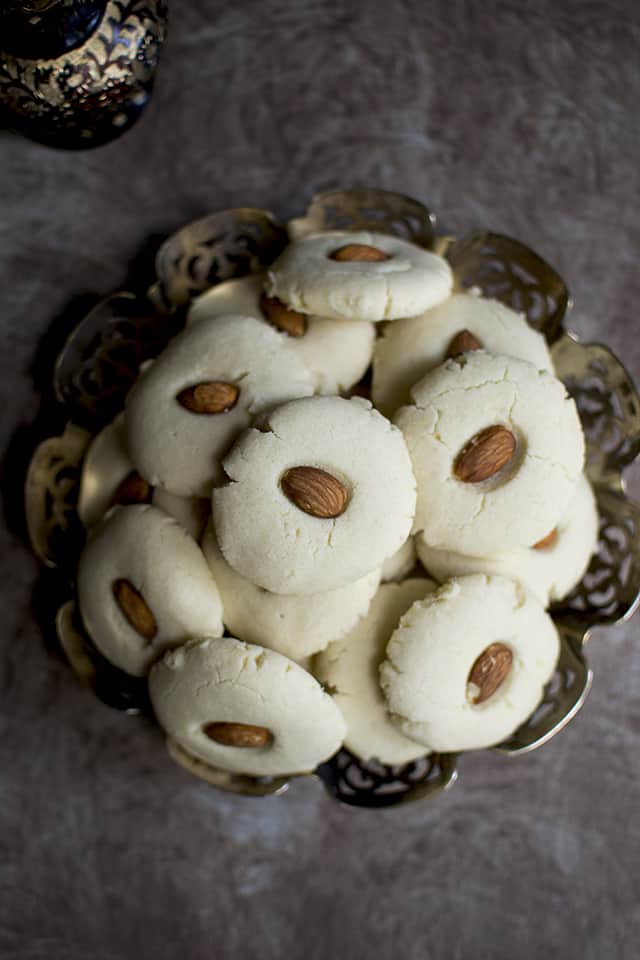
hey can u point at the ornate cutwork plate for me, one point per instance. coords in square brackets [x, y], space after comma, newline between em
[104, 354]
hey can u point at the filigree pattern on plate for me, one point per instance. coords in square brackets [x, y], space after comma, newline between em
[377, 210]
[231, 243]
[503, 268]
[362, 783]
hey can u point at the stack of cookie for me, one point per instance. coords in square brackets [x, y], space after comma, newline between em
[246, 489]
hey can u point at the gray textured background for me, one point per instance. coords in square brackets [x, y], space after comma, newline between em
[519, 117]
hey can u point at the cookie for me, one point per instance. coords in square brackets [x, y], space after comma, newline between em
[318, 498]
[143, 586]
[400, 563]
[497, 450]
[109, 478]
[411, 347]
[467, 665]
[336, 353]
[294, 626]
[242, 708]
[185, 411]
[350, 670]
[550, 570]
[380, 278]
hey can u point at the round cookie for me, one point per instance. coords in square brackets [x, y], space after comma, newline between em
[225, 681]
[549, 571]
[463, 402]
[411, 347]
[108, 478]
[294, 626]
[141, 567]
[406, 280]
[401, 563]
[106, 465]
[336, 352]
[326, 452]
[176, 437]
[350, 668]
[425, 678]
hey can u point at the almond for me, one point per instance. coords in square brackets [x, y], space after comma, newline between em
[485, 454]
[463, 342]
[547, 541]
[358, 252]
[314, 491]
[135, 609]
[489, 671]
[237, 734]
[282, 317]
[133, 489]
[209, 398]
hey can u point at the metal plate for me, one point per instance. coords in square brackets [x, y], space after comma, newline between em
[103, 357]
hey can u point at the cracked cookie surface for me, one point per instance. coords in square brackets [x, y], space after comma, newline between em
[425, 676]
[406, 282]
[525, 500]
[225, 681]
[275, 544]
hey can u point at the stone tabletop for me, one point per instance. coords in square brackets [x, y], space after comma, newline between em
[521, 118]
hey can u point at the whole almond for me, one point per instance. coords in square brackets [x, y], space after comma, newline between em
[485, 454]
[282, 317]
[463, 342]
[314, 491]
[490, 670]
[358, 252]
[133, 489]
[547, 541]
[237, 734]
[214, 396]
[135, 609]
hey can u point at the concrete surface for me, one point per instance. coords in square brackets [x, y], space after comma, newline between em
[521, 118]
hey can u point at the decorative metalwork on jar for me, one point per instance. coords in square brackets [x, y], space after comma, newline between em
[78, 73]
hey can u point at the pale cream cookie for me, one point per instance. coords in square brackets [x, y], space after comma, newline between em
[109, 478]
[184, 413]
[467, 665]
[350, 670]
[397, 279]
[411, 347]
[336, 352]
[294, 626]
[318, 498]
[402, 562]
[549, 570]
[497, 450]
[242, 708]
[143, 586]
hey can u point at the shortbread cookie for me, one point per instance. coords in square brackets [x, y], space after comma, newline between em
[294, 626]
[143, 586]
[192, 512]
[242, 708]
[336, 353]
[184, 413]
[411, 347]
[401, 563]
[380, 278]
[109, 478]
[108, 475]
[549, 570]
[467, 665]
[350, 670]
[319, 497]
[497, 450]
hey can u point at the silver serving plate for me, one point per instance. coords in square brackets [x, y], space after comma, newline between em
[102, 358]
